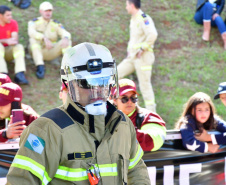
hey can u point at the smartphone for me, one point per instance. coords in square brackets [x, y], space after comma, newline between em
[18, 115]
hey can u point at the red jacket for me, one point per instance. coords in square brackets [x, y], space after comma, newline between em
[149, 117]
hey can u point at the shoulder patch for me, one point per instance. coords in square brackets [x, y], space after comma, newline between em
[35, 143]
[59, 117]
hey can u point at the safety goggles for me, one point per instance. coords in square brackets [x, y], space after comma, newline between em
[93, 82]
[125, 99]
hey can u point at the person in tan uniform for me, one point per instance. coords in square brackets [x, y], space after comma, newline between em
[9, 46]
[86, 140]
[44, 33]
[140, 55]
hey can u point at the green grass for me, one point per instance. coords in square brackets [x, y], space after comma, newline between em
[184, 63]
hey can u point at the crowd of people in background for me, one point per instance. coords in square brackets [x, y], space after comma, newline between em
[48, 40]
[98, 108]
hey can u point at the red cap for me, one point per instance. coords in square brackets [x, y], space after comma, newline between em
[4, 79]
[125, 85]
[10, 92]
[63, 87]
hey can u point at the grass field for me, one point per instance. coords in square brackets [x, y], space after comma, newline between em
[184, 63]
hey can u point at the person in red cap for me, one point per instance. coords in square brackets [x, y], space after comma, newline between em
[10, 98]
[4, 79]
[63, 93]
[150, 127]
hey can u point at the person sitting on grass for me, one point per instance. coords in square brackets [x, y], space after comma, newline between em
[197, 118]
[221, 93]
[150, 127]
[208, 14]
[10, 98]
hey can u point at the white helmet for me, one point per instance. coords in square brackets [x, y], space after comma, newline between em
[89, 70]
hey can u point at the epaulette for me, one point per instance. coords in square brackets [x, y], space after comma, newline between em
[56, 21]
[35, 19]
[146, 22]
[144, 15]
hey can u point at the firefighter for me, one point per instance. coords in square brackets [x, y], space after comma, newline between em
[86, 140]
[48, 38]
[140, 55]
[9, 47]
[150, 127]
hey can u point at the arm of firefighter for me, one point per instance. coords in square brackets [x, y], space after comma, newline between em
[137, 172]
[32, 31]
[153, 133]
[36, 161]
[151, 34]
[189, 140]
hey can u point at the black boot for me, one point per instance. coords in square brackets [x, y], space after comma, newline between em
[40, 72]
[21, 79]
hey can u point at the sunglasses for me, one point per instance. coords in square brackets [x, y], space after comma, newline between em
[125, 99]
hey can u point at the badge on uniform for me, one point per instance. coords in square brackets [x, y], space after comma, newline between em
[146, 22]
[35, 143]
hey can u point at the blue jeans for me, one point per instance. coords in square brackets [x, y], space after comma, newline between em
[205, 13]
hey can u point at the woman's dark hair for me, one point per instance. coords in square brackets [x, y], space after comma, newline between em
[4, 9]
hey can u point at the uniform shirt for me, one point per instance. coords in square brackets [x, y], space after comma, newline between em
[191, 143]
[6, 31]
[152, 133]
[142, 33]
[29, 116]
[39, 27]
[58, 148]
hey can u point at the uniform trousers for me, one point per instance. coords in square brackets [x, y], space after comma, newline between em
[143, 68]
[40, 53]
[9, 53]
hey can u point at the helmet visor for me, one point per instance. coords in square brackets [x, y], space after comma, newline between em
[89, 90]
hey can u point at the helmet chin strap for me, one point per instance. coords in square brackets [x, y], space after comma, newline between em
[97, 108]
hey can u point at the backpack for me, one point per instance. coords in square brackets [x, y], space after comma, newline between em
[21, 3]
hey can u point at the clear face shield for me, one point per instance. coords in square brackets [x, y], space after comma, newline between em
[91, 87]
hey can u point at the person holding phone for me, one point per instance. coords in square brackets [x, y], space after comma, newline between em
[10, 99]
[3, 79]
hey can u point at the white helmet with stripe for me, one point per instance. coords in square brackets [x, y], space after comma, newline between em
[89, 70]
